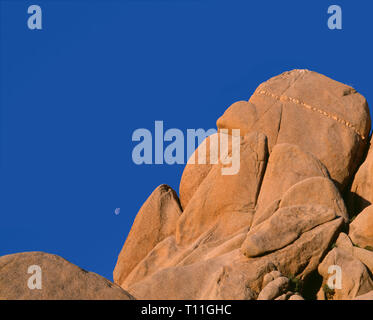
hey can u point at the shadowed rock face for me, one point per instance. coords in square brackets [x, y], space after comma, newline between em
[361, 193]
[60, 280]
[303, 136]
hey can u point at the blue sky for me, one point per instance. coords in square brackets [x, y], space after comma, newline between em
[72, 94]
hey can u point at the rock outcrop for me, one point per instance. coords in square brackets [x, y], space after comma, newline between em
[275, 289]
[59, 280]
[322, 116]
[246, 236]
[275, 229]
[355, 277]
[278, 287]
[156, 221]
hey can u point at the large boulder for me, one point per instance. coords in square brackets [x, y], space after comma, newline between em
[287, 165]
[301, 257]
[198, 167]
[365, 256]
[59, 280]
[155, 221]
[355, 280]
[302, 136]
[316, 190]
[274, 289]
[278, 287]
[290, 223]
[224, 204]
[191, 273]
[322, 116]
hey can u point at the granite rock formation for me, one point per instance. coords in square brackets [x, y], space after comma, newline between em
[274, 225]
[300, 205]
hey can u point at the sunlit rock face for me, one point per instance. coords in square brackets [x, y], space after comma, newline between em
[44, 276]
[262, 232]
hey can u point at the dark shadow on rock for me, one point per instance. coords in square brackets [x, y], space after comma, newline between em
[312, 285]
[355, 204]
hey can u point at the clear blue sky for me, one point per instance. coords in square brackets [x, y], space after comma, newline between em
[73, 93]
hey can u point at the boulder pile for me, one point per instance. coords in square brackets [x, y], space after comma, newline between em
[300, 203]
[295, 222]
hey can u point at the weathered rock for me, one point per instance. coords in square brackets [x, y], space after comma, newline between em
[274, 286]
[286, 160]
[158, 258]
[240, 115]
[197, 168]
[190, 275]
[302, 257]
[290, 223]
[274, 289]
[270, 277]
[302, 137]
[315, 190]
[361, 229]
[228, 285]
[60, 280]
[263, 213]
[173, 264]
[365, 256]
[344, 242]
[155, 221]
[209, 154]
[169, 254]
[185, 282]
[322, 116]
[356, 280]
[225, 203]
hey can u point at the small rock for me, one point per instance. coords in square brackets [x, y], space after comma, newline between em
[274, 289]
